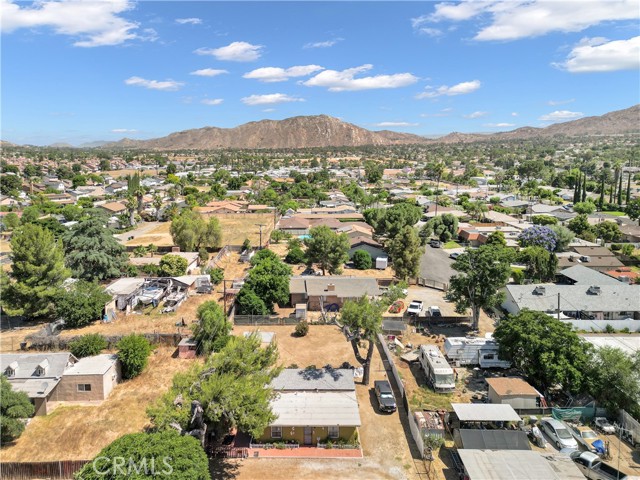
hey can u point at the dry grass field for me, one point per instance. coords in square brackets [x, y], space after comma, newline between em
[159, 235]
[80, 432]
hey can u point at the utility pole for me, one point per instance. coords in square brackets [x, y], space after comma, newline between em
[558, 306]
[260, 225]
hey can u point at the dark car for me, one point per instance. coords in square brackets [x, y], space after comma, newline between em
[435, 243]
[454, 255]
[384, 394]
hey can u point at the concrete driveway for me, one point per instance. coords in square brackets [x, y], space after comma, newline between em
[435, 264]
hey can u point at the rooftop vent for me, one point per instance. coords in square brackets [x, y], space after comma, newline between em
[585, 258]
[539, 290]
[331, 287]
[593, 290]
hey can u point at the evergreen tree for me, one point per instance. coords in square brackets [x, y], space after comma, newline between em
[584, 188]
[601, 200]
[405, 250]
[620, 190]
[576, 190]
[628, 195]
[327, 248]
[14, 407]
[93, 253]
[37, 273]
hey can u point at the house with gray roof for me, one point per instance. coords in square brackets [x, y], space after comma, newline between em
[330, 292]
[582, 275]
[584, 306]
[313, 406]
[50, 378]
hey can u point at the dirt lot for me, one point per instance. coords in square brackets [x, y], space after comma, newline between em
[386, 452]
[80, 432]
[153, 232]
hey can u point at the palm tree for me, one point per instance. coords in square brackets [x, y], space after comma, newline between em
[132, 205]
[157, 204]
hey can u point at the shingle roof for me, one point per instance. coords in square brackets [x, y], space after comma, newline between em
[345, 287]
[612, 298]
[96, 365]
[586, 276]
[27, 363]
[511, 386]
[296, 379]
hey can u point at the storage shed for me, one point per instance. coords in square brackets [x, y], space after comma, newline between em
[513, 391]
[187, 348]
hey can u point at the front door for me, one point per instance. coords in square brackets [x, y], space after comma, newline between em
[308, 435]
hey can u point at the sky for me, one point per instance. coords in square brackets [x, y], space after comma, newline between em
[81, 71]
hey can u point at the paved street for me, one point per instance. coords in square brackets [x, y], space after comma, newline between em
[435, 264]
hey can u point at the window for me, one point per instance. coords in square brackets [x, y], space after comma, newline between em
[334, 432]
[84, 387]
[276, 432]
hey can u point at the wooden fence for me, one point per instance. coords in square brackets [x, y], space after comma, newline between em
[64, 469]
[426, 282]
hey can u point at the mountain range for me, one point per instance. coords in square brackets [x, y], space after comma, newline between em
[327, 131]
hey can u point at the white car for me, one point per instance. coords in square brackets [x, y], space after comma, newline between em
[558, 433]
[434, 311]
[415, 308]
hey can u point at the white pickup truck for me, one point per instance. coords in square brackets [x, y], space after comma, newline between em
[415, 308]
[592, 467]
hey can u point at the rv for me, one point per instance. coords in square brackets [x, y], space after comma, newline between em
[474, 351]
[439, 374]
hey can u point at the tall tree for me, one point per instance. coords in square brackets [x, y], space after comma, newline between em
[232, 386]
[601, 199]
[81, 304]
[584, 188]
[620, 189]
[191, 232]
[212, 330]
[14, 408]
[37, 273]
[576, 190]
[92, 251]
[483, 272]
[405, 250]
[172, 265]
[628, 194]
[615, 379]
[541, 263]
[327, 248]
[269, 279]
[362, 320]
[546, 350]
[633, 209]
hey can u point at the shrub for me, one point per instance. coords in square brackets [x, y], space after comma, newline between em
[627, 249]
[14, 407]
[203, 255]
[88, 345]
[362, 260]
[518, 276]
[81, 304]
[216, 275]
[133, 352]
[302, 328]
[609, 328]
[172, 266]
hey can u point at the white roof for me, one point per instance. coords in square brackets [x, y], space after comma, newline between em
[520, 464]
[481, 412]
[96, 365]
[125, 286]
[628, 343]
[317, 409]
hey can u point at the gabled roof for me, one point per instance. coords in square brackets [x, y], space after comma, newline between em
[113, 206]
[595, 251]
[318, 409]
[345, 287]
[582, 275]
[359, 240]
[321, 379]
[95, 365]
[27, 363]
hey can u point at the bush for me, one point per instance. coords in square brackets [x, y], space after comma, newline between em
[216, 275]
[627, 249]
[133, 352]
[81, 304]
[295, 256]
[302, 328]
[88, 345]
[518, 276]
[172, 266]
[14, 407]
[362, 260]
[203, 255]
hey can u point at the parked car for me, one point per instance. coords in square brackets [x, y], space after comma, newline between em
[592, 467]
[454, 255]
[559, 433]
[311, 271]
[415, 307]
[603, 425]
[435, 243]
[434, 311]
[384, 394]
[585, 436]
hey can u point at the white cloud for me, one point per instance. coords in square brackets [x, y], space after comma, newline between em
[458, 89]
[511, 20]
[514, 114]
[553, 103]
[477, 114]
[277, 74]
[212, 101]
[559, 115]
[601, 55]
[341, 81]
[267, 110]
[499, 125]
[189, 21]
[395, 124]
[430, 31]
[166, 85]
[94, 23]
[270, 99]
[124, 130]
[325, 44]
[234, 52]
[208, 72]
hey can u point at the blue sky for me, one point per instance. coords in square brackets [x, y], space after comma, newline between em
[82, 71]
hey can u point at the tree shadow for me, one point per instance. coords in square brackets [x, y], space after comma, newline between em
[223, 468]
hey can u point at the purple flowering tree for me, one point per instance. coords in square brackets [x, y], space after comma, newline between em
[538, 236]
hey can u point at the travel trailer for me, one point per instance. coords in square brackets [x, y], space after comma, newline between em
[439, 374]
[474, 351]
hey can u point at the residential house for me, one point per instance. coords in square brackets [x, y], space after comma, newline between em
[114, 208]
[54, 183]
[513, 391]
[630, 232]
[544, 209]
[367, 244]
[330, 292]
[222, 207]
[60, 198]
[60, 377]
[599, 263]
[294, 226]
[115, 188]
[8, 201]
[584, 306]
[583, 275]
[313, 406]
[151, 182]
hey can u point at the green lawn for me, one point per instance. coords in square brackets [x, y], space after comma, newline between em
[615, 214]
[427, 399]
[452, 244]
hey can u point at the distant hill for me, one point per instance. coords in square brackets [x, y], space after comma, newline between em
[326, 131]
[295, 132]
